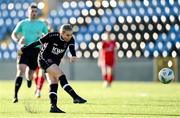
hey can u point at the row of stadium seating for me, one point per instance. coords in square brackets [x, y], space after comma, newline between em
[141, 28]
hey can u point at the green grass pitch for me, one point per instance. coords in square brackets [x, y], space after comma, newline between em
[123, 99]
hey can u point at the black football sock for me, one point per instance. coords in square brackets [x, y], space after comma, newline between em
[53, 94]
[67, 87]
[18, 83]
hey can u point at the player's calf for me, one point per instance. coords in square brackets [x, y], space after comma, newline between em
[29, 83]
[64, 84]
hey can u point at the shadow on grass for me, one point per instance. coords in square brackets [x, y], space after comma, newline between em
[131, 104]
[131, 114]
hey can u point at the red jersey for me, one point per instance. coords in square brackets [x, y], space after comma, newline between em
[107, 52]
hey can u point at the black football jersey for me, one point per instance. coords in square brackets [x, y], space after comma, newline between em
[54, 47]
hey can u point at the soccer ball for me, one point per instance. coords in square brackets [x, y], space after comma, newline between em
[166, 75]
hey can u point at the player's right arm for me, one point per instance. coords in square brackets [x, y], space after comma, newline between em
[16, 31]
[15, 37]
[99, 61]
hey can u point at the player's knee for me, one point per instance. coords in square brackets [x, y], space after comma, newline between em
[53, 82]
[20, 73]
[30, 74]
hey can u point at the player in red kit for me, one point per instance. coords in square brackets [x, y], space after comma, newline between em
[107, 59]
[38, 77]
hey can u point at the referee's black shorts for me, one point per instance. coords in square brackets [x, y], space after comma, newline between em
[29, 57]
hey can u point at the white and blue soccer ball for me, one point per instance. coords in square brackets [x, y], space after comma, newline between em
[166, 75]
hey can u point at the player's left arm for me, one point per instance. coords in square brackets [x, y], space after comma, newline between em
[45, 28]
[72, 50]
[100, 58]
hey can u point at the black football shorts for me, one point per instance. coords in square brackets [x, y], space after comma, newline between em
[45, 63]
[29, 57]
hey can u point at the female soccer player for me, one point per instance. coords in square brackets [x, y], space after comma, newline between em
[106, 59]
[54, 46]
[38, 76]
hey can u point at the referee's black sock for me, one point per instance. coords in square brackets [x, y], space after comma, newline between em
[67, 87]
[53, 94]
[18, 82]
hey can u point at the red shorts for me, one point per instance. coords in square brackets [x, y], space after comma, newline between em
[109, 63]
[103, 63]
